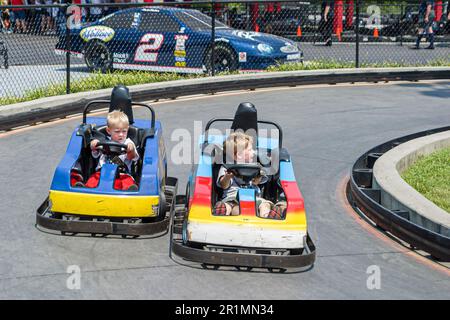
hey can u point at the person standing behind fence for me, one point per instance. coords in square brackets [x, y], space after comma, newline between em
[447, 25]
[47, 19]
[426, 17]
[95, 12]
[83, 9]
[326, 21]
[18, 16]
[35, 22]
[5, 18]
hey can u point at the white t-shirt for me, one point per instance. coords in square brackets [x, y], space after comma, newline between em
[104, 158]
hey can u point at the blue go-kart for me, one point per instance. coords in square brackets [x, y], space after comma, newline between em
[104, 210]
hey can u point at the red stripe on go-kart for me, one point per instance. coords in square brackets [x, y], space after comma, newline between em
[294, 197]
[202, 191]
[247, 208]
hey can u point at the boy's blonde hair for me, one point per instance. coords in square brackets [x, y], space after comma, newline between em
[117, 118]
[236, 141]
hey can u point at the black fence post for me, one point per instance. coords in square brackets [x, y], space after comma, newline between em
[68, 47]
[213, 37]
[357, 33]
[400, 24]
[316, 28]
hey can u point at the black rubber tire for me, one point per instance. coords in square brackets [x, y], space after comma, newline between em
[188, 191]
[162, 206]
[276, 270]
[210, 266]
[225, 59]
[97, 57]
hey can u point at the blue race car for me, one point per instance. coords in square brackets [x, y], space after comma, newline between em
[167, 39]
[105, 210]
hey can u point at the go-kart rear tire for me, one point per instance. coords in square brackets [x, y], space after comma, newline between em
[276, 270]
[97, 57]
[162, 209]
[239, 268]
[210, 266]
[188, 191]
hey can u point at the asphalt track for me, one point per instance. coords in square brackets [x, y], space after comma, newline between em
[325, 129]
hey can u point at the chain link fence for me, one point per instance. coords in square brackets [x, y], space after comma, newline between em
[57, 48]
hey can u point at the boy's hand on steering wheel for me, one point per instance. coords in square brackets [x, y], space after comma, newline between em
[131, 150]
[94, 144]
[130, 147]
[229, 174]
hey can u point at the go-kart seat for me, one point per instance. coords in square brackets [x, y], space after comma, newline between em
[121, 100]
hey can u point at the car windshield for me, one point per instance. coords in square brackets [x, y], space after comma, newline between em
[198, 21]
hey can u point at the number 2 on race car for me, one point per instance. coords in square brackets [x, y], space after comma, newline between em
[147, 51]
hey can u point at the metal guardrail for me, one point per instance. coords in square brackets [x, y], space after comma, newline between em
[362, 196]
[191, 87]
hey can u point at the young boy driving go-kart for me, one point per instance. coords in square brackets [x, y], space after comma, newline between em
[125, 156]
[239, 147]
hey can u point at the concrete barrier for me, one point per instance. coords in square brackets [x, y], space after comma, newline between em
[396, 194]
[45, 109]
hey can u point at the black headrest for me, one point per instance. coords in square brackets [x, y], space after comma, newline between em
[245, 117]
[121, 100]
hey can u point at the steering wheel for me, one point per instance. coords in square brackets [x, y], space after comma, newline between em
[247, 171]
[112, 148]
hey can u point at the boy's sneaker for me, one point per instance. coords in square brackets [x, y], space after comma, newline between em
[220, 209]
[133, 187]
[430, 47]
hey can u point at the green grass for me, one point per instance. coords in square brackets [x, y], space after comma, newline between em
[96, 81]
[430, 176]
[102, 81]
[336, 64]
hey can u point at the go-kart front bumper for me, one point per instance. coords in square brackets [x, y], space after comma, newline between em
[236, 257]
[302, 256]
[124, 226]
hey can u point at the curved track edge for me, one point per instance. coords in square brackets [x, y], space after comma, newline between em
[363, 197]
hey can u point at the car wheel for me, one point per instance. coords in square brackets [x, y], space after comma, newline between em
[225, 59]
[98, 57]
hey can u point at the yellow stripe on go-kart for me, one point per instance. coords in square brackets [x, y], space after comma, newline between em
[293, 221]
[103, 205]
